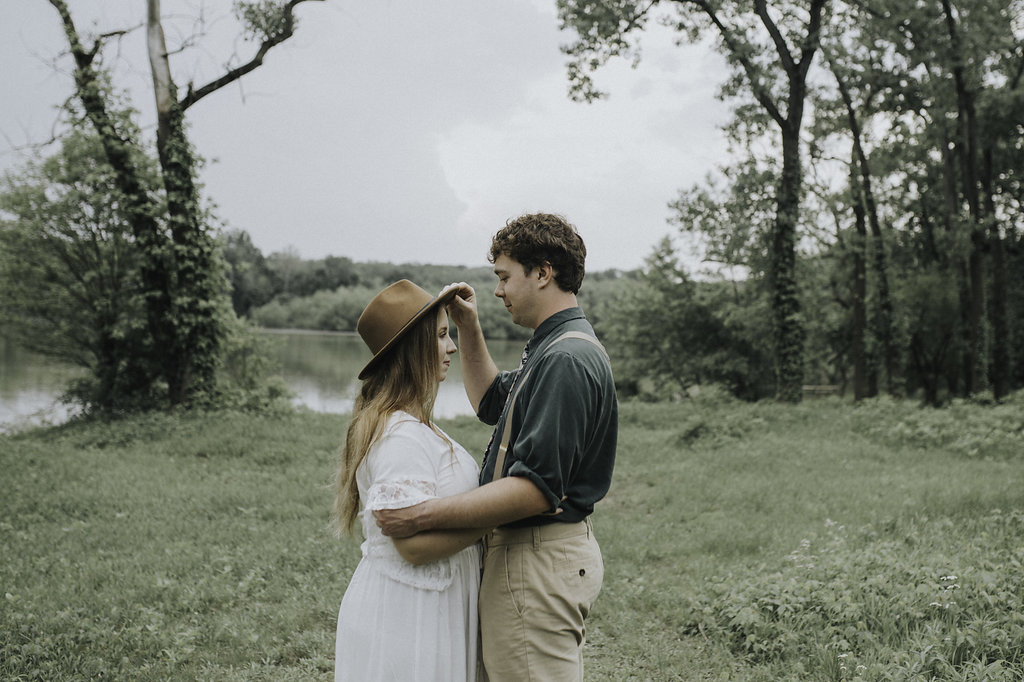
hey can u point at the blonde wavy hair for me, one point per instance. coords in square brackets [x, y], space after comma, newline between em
[406, 381]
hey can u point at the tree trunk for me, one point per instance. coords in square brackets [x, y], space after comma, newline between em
[139, 207]
[788, 327]
[198, 341]
[860, 187]
[883, 313]
[1000, 369]
[857, 345]
[931, 250]
[958, 266]
[976, 313]
[967, 144]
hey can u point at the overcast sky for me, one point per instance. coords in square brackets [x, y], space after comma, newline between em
[401, 130]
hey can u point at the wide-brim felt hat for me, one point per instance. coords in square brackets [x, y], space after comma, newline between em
[391, 314]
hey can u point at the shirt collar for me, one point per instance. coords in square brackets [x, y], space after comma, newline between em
[553, 322]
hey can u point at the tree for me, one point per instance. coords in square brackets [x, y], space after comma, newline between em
[181, 277]
[678, 333]
[959, 66]
[771, 50]
[69, 270]
[252, 282]
[857, 67]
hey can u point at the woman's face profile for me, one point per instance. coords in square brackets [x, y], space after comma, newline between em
[445, 345]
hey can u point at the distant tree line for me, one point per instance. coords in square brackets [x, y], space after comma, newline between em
[283, 291]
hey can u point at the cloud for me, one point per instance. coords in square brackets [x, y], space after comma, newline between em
[408, 131]
[611, 167]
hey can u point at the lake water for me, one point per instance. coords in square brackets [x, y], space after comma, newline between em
[320, 368]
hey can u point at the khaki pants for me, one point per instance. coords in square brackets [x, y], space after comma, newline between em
[538, 586]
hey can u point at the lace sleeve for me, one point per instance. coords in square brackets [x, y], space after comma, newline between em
[399, 494]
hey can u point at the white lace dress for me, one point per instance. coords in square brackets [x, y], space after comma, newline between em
[399, 621]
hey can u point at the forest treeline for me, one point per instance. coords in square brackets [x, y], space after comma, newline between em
[283, 291]
[666, 330]
[865, 230]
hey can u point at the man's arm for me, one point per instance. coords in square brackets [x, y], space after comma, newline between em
[503, 501]
[436, 544]
[478, 368]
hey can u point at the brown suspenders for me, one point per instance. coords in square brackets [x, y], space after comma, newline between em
[506, 433]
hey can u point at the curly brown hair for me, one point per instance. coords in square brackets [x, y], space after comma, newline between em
[538, 238]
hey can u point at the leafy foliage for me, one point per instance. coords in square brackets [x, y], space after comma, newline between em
[70, 272]
[912, 598]
[927, 97]
[264, 19]
[330, 293]
[677, 334]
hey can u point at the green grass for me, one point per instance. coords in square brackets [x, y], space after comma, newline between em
[741, 542]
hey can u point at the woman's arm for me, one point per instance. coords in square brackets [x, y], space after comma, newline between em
[436, 544]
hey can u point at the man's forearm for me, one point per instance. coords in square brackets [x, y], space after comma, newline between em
[478, 368]
[432, 545]
[503, 501]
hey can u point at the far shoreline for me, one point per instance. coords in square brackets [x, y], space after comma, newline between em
[308, 332]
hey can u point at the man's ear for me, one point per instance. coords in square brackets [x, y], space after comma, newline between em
[545, 273]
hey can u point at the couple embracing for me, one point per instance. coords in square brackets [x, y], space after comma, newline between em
[418, 606]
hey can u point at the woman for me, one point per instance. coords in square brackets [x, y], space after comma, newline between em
[410, 610]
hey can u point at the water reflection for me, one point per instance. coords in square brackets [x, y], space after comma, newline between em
[321, 368]
[30, 387]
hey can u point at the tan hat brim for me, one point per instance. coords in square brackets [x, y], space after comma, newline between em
[423, 312]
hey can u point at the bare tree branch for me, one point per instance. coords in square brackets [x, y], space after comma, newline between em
[812, 39]
[761, 10]
[762, 93]
[194, 95]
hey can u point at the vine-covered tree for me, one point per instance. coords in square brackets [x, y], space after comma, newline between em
[771, 49]
[180, 272]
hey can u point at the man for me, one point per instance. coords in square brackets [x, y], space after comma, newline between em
[549, 460]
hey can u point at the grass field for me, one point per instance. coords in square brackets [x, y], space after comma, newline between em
[742, 542]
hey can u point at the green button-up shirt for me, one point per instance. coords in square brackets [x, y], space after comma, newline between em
[565, 423]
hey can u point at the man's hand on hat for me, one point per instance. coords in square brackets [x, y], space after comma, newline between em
[462, 309]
